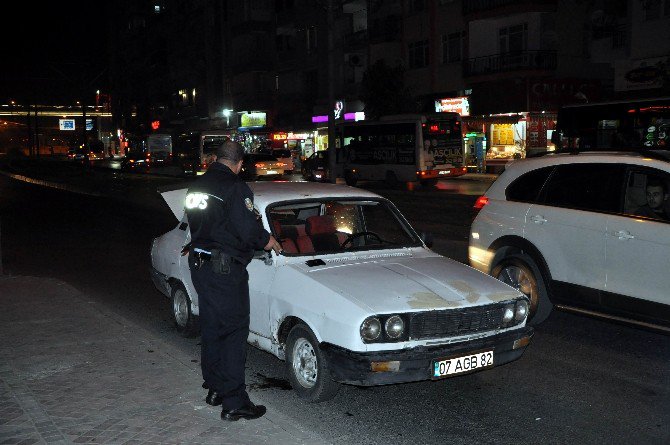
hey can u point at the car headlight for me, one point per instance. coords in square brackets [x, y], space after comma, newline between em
[520, 311]
[371, 329]
[508, 313]
[394, 327]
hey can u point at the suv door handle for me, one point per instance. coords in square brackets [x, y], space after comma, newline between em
[538, 219]
[623, 235]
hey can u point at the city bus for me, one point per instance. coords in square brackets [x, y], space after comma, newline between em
[625, 124]
[402, 148]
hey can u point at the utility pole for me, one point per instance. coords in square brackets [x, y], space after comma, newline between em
[331, 96]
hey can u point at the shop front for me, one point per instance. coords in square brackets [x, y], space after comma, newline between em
[511, 136]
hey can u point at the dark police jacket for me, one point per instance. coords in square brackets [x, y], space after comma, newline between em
[220, 212]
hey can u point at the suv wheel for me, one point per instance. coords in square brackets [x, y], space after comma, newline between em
[523, 274]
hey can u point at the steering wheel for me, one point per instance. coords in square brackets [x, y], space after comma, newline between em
[353, 236]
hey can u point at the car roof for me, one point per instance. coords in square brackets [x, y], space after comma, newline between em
[516, 168]
[267, 192]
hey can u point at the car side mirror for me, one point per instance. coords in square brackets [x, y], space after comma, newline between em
[427, 239]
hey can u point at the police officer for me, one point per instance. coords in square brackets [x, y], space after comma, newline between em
[225, 231]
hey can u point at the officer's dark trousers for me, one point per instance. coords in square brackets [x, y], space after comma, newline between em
[224, 325]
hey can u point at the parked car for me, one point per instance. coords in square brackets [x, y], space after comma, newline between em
[357, 296]
[261, 165]
[284, 155]
[573, 230]
[316, 167]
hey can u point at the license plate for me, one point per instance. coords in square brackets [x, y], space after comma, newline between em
[271, 172]
[445, 172]
[466, 363]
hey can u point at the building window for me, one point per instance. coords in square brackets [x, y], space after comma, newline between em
[652, 9]
[666, 8]
[311, 38]
[418, 54]
[417, 5]
[284, 42]
[513, 38]
[452, 47]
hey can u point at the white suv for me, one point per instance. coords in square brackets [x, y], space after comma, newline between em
[585, 231]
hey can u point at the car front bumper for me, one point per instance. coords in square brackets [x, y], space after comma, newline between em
[416, 364]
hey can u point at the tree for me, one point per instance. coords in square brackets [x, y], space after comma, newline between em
[384, 92]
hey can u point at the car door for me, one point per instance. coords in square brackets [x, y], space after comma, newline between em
[261, 277]
[568, 224]
[638, 253]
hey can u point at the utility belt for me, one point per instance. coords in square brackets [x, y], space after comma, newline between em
[219, 260]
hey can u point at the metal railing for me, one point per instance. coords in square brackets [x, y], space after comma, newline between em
[473, 6]
[512, 61]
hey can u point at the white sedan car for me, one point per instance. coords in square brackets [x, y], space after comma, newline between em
[357, 296]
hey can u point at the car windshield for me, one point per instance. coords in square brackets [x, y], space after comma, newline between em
[314, 227]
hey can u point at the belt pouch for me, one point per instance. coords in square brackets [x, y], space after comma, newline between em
[220, 262]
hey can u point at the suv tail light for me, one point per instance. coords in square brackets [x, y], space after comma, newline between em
[479, 204]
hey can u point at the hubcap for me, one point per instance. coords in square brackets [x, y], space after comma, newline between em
[521, 281]
[180, 307]
[305, 363]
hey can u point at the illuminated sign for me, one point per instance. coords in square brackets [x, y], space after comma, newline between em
[279, 136]
[339, 109]
[89, 124]
[254, 119]
[155, 125]
[357, 116]
[318, 119]
[459, 105]
[66, 124]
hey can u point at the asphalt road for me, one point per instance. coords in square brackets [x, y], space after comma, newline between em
[581, 380]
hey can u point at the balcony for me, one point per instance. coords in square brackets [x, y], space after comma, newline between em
[510, 62]
[481, 9]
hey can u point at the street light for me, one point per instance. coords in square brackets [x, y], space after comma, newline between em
[227, 112]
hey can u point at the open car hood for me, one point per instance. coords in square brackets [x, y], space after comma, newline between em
[174, 196]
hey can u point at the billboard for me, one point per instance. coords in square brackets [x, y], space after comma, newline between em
[460, 105]
[66, 124]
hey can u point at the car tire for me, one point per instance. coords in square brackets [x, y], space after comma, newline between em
[307, 367]
[523, 274]
[186, 323]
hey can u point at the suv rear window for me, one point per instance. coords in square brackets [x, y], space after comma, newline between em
[594, 187]
[527, 187]
[281, 153]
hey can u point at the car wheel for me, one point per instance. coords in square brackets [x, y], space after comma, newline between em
[307, 367]
[185, 321]
[521, 272]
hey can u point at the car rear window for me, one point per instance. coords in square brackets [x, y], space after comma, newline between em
[261, 157]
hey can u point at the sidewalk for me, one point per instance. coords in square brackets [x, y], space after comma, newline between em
[71, 373]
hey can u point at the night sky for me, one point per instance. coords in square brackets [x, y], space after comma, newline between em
[52, 51]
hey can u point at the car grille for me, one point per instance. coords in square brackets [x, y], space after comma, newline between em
[454, 322]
